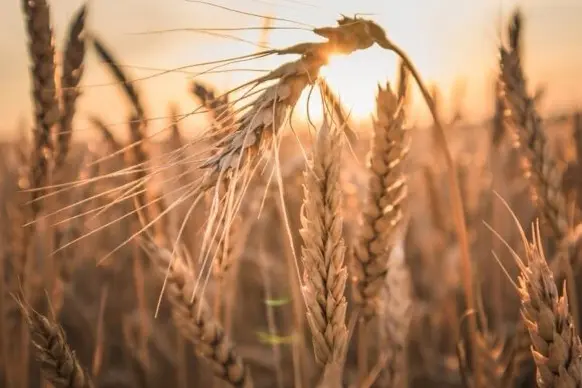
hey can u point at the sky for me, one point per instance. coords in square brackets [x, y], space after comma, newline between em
[453, 42]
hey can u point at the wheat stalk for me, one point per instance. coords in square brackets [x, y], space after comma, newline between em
[323, 249]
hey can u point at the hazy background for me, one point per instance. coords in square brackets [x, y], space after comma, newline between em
[452, 42]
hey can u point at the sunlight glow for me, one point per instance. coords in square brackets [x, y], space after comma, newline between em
[354, 78]
[353, 83]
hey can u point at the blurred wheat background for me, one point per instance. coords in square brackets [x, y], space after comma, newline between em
[381, 194]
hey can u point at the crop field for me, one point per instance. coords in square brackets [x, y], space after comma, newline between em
[282, 209]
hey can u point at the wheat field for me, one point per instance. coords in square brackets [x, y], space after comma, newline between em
[261, 246]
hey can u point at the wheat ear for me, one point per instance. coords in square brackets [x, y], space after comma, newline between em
[218, 107]
[70, 79]
[59, 363]
[130, 91]
[323, 249]
[556, 347]
[538, 161]
[46, 110]
[381, 215]
[42, 53]
[194, 319]
[383, 210]
[497, 360]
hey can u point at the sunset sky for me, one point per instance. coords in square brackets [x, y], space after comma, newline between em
[451, 41]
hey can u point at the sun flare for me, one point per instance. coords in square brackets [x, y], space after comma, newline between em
[354, 80]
